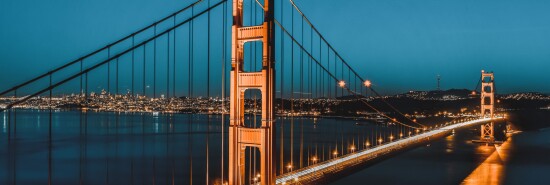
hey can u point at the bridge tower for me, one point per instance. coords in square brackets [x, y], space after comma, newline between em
[487, 104]
[240, 135]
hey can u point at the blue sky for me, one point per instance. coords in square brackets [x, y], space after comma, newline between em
[400, 45]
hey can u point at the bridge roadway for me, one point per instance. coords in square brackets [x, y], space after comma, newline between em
[318, 171]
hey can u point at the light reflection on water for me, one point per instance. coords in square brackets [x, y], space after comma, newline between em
[450, 143]
[4, 123]
[445, 161]
[492, 170]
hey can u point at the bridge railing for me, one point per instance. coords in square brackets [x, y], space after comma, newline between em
[336, 164]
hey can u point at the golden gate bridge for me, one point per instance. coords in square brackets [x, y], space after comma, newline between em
[270, 64]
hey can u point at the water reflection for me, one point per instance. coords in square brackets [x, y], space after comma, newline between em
[492, 170]
[4, 127]
[449, 141]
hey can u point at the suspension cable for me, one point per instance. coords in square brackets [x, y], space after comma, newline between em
[350, 70]
[109, 59]
[331, 75]
[107, 47]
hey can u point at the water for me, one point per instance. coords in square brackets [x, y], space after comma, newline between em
[523, 159]
[109, 148]
[135, 148]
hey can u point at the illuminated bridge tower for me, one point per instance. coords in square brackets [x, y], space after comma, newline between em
[240, 135]
[487, 104]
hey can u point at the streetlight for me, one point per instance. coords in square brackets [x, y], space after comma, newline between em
[314, 159]
[367, 83]
[352, 148]
[335, 153]
[342, 83]
[391, 137]
[367, 144]
[380, 140]
[289, 167]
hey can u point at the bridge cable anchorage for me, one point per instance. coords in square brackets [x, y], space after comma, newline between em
[93, 67]
[106, 47]
[336, 79]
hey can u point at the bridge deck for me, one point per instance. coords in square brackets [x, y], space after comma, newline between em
[316, 172]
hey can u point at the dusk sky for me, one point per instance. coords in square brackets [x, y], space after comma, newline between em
[400, 45]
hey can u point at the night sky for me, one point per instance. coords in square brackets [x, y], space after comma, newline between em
[400, 45]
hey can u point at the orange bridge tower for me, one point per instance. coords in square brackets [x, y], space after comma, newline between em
[242, 136]
[487, 104]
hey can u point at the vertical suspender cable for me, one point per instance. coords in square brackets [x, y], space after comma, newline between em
[117, 92]
[15, 118]
[208, 94]
[133, 51]
[174, 61]
[328, 76]
[86, 93]
[282, 94]
[208, 62]
[155, 64]
[310, 67]
[50, 135]
[189, 59]
[50, 108]
[321, 81]
[301, 94]
[168, 65]
[109, 71]
[336, 74]
[192, 54]
[144, 51]
[223, 92]
[292, 92]
[80, 80]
